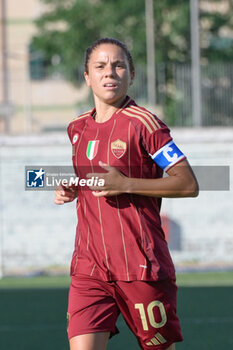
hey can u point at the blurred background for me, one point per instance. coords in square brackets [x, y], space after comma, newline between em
[183, 53]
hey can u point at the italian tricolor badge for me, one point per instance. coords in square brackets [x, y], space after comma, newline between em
[92, 148]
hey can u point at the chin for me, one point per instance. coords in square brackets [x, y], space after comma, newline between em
[113, 99]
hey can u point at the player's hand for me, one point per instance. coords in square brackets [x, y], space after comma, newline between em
[114, 182]
[65, 194]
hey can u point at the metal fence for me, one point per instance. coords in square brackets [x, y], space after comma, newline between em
[216, 94]
[174, 95]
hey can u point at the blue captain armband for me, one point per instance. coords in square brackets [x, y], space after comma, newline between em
[167, 156]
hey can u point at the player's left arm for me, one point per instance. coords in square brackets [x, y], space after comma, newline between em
[180, 182]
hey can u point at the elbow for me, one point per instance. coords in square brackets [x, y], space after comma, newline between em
[193, 189]
[189, 187]
[194, 193]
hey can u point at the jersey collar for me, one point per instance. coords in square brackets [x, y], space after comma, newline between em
[127, 102]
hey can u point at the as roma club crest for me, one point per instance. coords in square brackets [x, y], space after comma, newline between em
[92, 149]
[118, 148]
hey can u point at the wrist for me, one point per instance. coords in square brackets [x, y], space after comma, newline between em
[127, 185]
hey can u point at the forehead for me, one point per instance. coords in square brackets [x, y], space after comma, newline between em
[106, 51]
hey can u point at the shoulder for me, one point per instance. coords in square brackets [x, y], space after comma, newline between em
[142, 118]
[77, 123]
[79, 118]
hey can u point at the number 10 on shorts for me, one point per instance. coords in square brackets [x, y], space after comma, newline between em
[142, 310]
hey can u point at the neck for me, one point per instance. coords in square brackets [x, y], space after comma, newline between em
[105, 111]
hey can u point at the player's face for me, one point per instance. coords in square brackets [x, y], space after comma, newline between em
[108, 74]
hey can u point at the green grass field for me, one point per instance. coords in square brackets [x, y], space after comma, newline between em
[33, 313]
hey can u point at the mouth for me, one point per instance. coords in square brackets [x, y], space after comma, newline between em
[110, 86]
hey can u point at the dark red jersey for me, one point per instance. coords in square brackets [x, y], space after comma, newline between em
[119, 237]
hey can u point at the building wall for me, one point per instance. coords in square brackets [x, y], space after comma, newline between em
[38, 104]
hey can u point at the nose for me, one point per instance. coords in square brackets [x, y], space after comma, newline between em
[109, 70]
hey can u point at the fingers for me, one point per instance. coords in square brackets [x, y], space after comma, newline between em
[64, 195]
[99, 193]
[96, 176]
[58, 201]
[105, 193]
[105, 166]
[61, 199]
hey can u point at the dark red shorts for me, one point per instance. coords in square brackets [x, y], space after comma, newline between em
[149, 309]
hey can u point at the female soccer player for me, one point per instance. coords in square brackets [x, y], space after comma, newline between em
[121, 261]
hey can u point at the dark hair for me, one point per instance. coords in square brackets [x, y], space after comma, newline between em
[113, 41]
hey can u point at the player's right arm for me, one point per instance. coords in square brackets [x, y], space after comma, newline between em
[65, 194]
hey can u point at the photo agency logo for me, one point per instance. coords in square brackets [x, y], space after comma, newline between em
[35, 178]
[48, 178]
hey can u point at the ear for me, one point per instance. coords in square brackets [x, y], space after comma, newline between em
[86, 76]
[132, 75]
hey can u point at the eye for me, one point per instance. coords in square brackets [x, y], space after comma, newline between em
[99, 66]
[120, 65]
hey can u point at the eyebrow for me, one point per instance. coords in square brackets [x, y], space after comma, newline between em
[114, 62]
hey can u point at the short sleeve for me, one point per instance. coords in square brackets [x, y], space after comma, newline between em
[160, 146]
[69, 131]
[155, 135]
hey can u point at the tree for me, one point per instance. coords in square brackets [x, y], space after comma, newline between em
[217, 30]
[69, 26]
